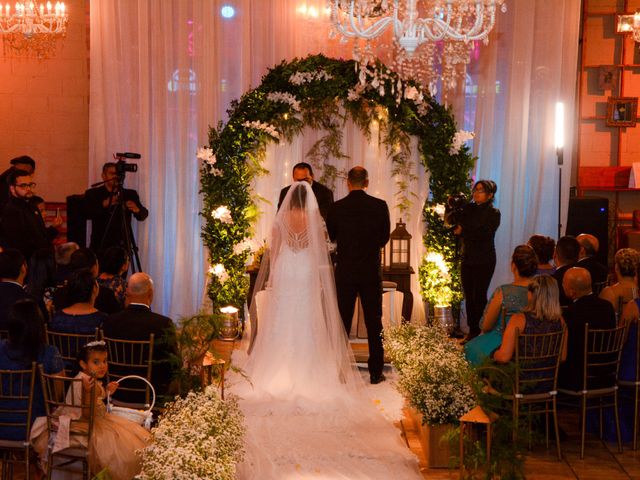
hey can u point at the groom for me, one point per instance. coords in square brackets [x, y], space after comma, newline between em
[359, 224]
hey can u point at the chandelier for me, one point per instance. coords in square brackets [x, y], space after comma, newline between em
[431, 39]
[630, 24]
[33, 28]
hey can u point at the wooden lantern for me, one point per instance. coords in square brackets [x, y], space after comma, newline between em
[399, 248]
[476, 416]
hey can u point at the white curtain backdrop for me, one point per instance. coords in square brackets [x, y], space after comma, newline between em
[162, 71]
[530, 64]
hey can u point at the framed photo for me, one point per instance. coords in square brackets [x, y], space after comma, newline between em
[622, 111]
[607, 77]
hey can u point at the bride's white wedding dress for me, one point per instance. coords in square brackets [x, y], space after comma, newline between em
[307, 413]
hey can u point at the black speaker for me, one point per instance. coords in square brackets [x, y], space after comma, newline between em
[76, 220]
[590, 215]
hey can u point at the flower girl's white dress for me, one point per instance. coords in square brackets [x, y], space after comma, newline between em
[306, 408]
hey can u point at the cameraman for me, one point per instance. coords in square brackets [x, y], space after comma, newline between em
[476, 226]
[103, 208]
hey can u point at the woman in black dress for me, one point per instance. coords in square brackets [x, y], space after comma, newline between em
[477, 227]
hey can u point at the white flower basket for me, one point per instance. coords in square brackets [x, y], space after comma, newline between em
[141, 417]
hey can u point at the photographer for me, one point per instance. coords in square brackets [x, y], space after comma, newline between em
[104, 206]
[476, 225]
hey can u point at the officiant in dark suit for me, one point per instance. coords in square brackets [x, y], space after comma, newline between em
[360, 225]
[303, 172]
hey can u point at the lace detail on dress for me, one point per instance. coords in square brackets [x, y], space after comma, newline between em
[297, 240]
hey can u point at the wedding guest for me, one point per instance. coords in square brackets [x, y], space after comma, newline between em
[541, 315]
[21, 225]
[477, 228]
[510, 298]
[26, 344]
[137, 322]
[626, 288]
[585, 308]
[114, 266]
[544, 247]
[628, 366]
[13, 271]
[63, 254]
[589, 247]
[565, 256]
[81, 316]
[303, 172]
[42, 279]
[24, 163]
[52, 230]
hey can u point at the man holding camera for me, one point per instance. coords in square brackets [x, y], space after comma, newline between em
[105, 206]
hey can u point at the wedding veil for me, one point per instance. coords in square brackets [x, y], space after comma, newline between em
[298, 225]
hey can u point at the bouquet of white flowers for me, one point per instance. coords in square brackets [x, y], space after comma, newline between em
[199, 437]
[433, 373]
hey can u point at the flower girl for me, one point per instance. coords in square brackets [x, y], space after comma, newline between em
[115, 439]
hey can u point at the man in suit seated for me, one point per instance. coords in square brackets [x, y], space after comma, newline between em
[137, 322]
[565, 256]
[303, 172]
[586, 308]
[13, 270]
[589, 247]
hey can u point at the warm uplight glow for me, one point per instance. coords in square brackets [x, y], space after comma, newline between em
[559, 125]
[229, 310]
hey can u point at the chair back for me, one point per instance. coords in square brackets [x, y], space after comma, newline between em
[131, 357]
[537, 360]
[16, 403]
[62, 396]
[602, 349]
[68, 344]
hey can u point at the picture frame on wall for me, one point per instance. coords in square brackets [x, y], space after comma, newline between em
[622, 111]
[607, 77]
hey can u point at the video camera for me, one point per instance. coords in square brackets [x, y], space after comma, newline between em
[122, 166]
[454, 208]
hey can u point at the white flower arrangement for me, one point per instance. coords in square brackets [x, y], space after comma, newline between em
[299, 78]
[433, 373]
[459, 138]
[263, 126]
[246, 244]
[206, 154]
[285, 97]
[435, 280]
[223, 214]
[198, 437]
[439, 210]
[219, 271]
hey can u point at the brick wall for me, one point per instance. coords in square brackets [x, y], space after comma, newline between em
[44, 109]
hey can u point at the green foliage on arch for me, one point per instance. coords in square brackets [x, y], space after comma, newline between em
[323, 93]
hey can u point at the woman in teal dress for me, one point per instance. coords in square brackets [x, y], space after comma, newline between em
[510, 298]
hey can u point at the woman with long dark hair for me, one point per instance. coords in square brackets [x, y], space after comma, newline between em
[477, 227]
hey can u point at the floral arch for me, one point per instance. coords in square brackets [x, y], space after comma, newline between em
[322, 93]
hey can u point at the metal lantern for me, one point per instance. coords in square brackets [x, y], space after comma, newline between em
[230, 323]
[399, 244]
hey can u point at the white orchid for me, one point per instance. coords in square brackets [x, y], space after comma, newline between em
[223, 214]
[206, 154]
[285, 97]
[459, 138]
[299, 78]
[263, 126]
[219, 271]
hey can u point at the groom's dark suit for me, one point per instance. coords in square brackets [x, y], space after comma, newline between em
[359, 224]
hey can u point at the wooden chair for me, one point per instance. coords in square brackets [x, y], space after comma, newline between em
[68, 344]
[59, 393]
[16, 402]
[601, 357]
[634, 384]
[537, 360]
[131, 357]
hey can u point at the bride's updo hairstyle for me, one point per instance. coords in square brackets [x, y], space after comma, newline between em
[298, 197]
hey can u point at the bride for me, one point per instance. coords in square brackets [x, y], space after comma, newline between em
[306, 409]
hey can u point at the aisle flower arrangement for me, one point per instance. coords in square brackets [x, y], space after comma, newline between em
[199, 437]
[433, 375]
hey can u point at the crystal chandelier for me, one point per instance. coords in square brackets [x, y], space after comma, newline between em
[431, 39]
[630, 24]
[33, 28]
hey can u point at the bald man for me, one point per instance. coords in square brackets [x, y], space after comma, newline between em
[137, 322]
[589, 246]
[585, 308]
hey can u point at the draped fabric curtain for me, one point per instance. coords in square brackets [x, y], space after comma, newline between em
[530, 64]
[163, 71]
